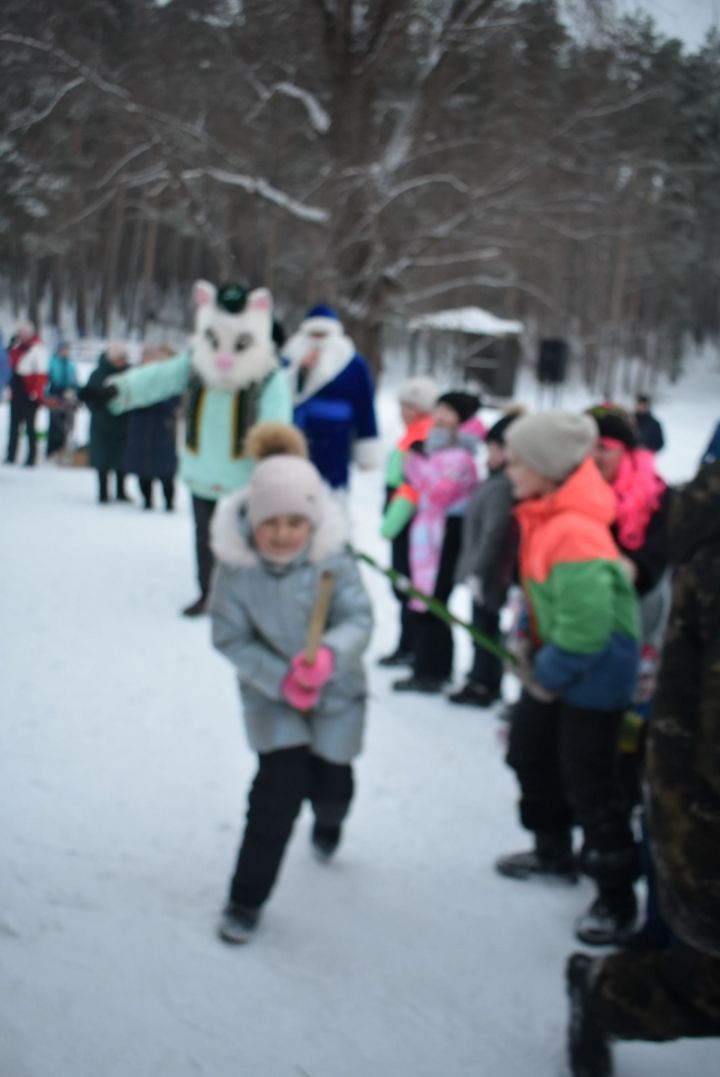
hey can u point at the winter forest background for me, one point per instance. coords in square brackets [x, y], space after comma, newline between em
[554, 163]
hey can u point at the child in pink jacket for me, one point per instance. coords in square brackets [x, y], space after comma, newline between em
[443, 474]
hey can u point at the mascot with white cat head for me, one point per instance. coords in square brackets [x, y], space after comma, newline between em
[231, 379]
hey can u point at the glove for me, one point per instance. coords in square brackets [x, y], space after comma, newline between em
[301, 699]
[522, 648]
[97, 396]
[523, 671]
[313, 675]
[476, 589]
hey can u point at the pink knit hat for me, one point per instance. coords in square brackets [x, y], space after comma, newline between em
[285, 485]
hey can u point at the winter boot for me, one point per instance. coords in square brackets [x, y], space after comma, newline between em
[325, 840]
[588, 1050]
[196, 608]
[552, 859]
[238, 923]
[475, 695]
[610, 920]
[427, 685]
[397, 658]
[120, 494]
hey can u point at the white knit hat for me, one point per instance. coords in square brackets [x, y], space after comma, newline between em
[116, 349]
[420, 393]
[553, 443]
[285, 485]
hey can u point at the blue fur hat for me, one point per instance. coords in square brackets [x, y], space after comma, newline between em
[322, 311]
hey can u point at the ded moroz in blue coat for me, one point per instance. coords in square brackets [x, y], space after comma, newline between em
[334, 398]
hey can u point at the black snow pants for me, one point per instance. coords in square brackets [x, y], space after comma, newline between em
[566, 761]
[203, 511]
[284, 779]
[433, 637]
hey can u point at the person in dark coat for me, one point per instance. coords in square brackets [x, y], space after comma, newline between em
[151, 449]
[108, 432]
[486, 564]
[649, 431]
[665, 994]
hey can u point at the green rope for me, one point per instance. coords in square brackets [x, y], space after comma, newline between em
[402, 583]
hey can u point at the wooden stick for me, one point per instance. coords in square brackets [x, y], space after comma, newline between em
[318, 618]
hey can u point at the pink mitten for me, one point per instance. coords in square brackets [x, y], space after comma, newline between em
[299, 697]
[317, 674]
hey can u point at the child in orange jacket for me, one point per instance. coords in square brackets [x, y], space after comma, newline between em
[579, 678]
[416, 397]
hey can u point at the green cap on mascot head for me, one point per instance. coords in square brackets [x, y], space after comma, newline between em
[233, 340]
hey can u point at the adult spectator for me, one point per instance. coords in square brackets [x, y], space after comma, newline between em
[28, 364]
[649, 431]
[108, 432]
[151, 449]
[61, 397]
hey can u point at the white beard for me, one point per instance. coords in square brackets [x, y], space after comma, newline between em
[335, 353]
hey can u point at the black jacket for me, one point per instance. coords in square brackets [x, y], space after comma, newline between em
[683, 760]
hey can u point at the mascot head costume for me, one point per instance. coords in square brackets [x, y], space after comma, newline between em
[232, 346]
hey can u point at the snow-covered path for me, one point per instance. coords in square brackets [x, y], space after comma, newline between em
[123, 775]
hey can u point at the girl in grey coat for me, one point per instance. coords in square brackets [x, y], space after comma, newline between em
[273, 541]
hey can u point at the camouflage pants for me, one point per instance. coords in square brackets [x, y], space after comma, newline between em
[660, 994]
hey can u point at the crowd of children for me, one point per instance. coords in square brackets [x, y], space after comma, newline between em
[571, 509]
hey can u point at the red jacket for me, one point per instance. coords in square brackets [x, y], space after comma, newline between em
[28, 359]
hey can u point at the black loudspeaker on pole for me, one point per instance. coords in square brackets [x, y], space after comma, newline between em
[552, 361]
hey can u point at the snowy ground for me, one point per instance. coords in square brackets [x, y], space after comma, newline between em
[123, 774]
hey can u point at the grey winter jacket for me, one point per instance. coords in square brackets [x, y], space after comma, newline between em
[260, 614]
[486, 536]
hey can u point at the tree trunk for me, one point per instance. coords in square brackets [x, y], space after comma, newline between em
[109, 285]
[151, 236]
[56, 292]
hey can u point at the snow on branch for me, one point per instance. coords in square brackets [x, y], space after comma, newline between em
[30, 120]
[261, 187]
[424, 181]
[319, 118]
[137, 151]
[508, 281]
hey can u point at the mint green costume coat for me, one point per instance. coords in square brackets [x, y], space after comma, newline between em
[211, 462]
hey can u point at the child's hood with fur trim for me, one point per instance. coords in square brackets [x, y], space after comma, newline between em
[231, 540]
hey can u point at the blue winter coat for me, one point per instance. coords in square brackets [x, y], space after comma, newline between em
[61, 375]
[150, 450]
[339, 414]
